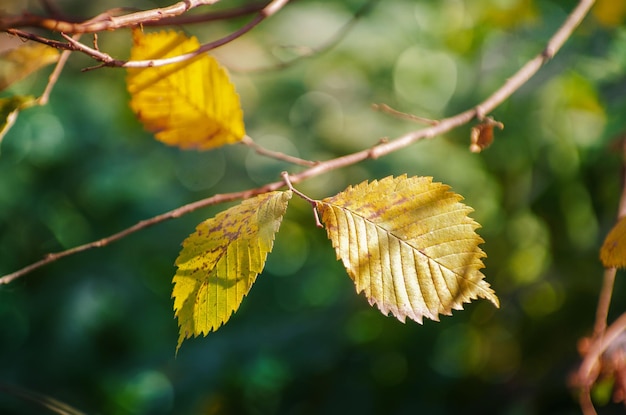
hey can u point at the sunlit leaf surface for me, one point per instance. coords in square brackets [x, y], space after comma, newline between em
[191, 104]
[220, 261]
[409, 245]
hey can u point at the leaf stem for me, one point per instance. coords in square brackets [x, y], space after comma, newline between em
[106, 21]
[285, 176]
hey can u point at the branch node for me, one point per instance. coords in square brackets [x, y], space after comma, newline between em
[481, 113]
[548, 53]
[313, 203]
[285, 177]
[373, 153]
[482, 134]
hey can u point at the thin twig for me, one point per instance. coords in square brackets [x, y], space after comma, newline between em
[172, 17]
[588, 369]
[276, 154]
[92, 52]
[511, 85]
[608, 282]
[604, 302]
[35, 38]
[285, 176]
[585, 402]
[398, 114]
[310, 52]
[54, 76]
[107, 60]
[378, 150]
[108, 21]
[213, 16]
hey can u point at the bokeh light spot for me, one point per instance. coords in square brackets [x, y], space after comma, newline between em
[389, 368]
[263, 169]
[459, 351]
[364, 326]
[425, 78]
[291, 249]
[542, 299]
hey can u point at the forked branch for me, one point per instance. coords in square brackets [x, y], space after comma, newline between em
[108, 22]
[603, 337]
[381, 149]
[111, 20]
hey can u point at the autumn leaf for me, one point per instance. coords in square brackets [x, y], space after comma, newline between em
[190, 104]
[10, 107]
[613, 251]
[409, 245]
[19, 62]
[220, 261]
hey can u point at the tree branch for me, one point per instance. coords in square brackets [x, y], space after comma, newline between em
[107, 60]
[248, 141]
[403, 115]
[103, 22]
[235, 12]
[588, 371]
[379, 150]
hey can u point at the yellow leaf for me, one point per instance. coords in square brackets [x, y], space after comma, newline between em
[219, 262]
[10, 108]
[19, 62]
[613, 252]
[610, 13]
[409, 245]
[191, 104]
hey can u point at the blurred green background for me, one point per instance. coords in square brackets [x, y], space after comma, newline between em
[96, 330]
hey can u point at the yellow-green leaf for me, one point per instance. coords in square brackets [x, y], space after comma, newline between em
[613, 252]
[409, 245]
[17, 63]
[191, 104]
[220, 261]
[10, 108]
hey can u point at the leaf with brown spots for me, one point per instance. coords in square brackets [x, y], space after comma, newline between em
[220, 261]
[409, 245]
